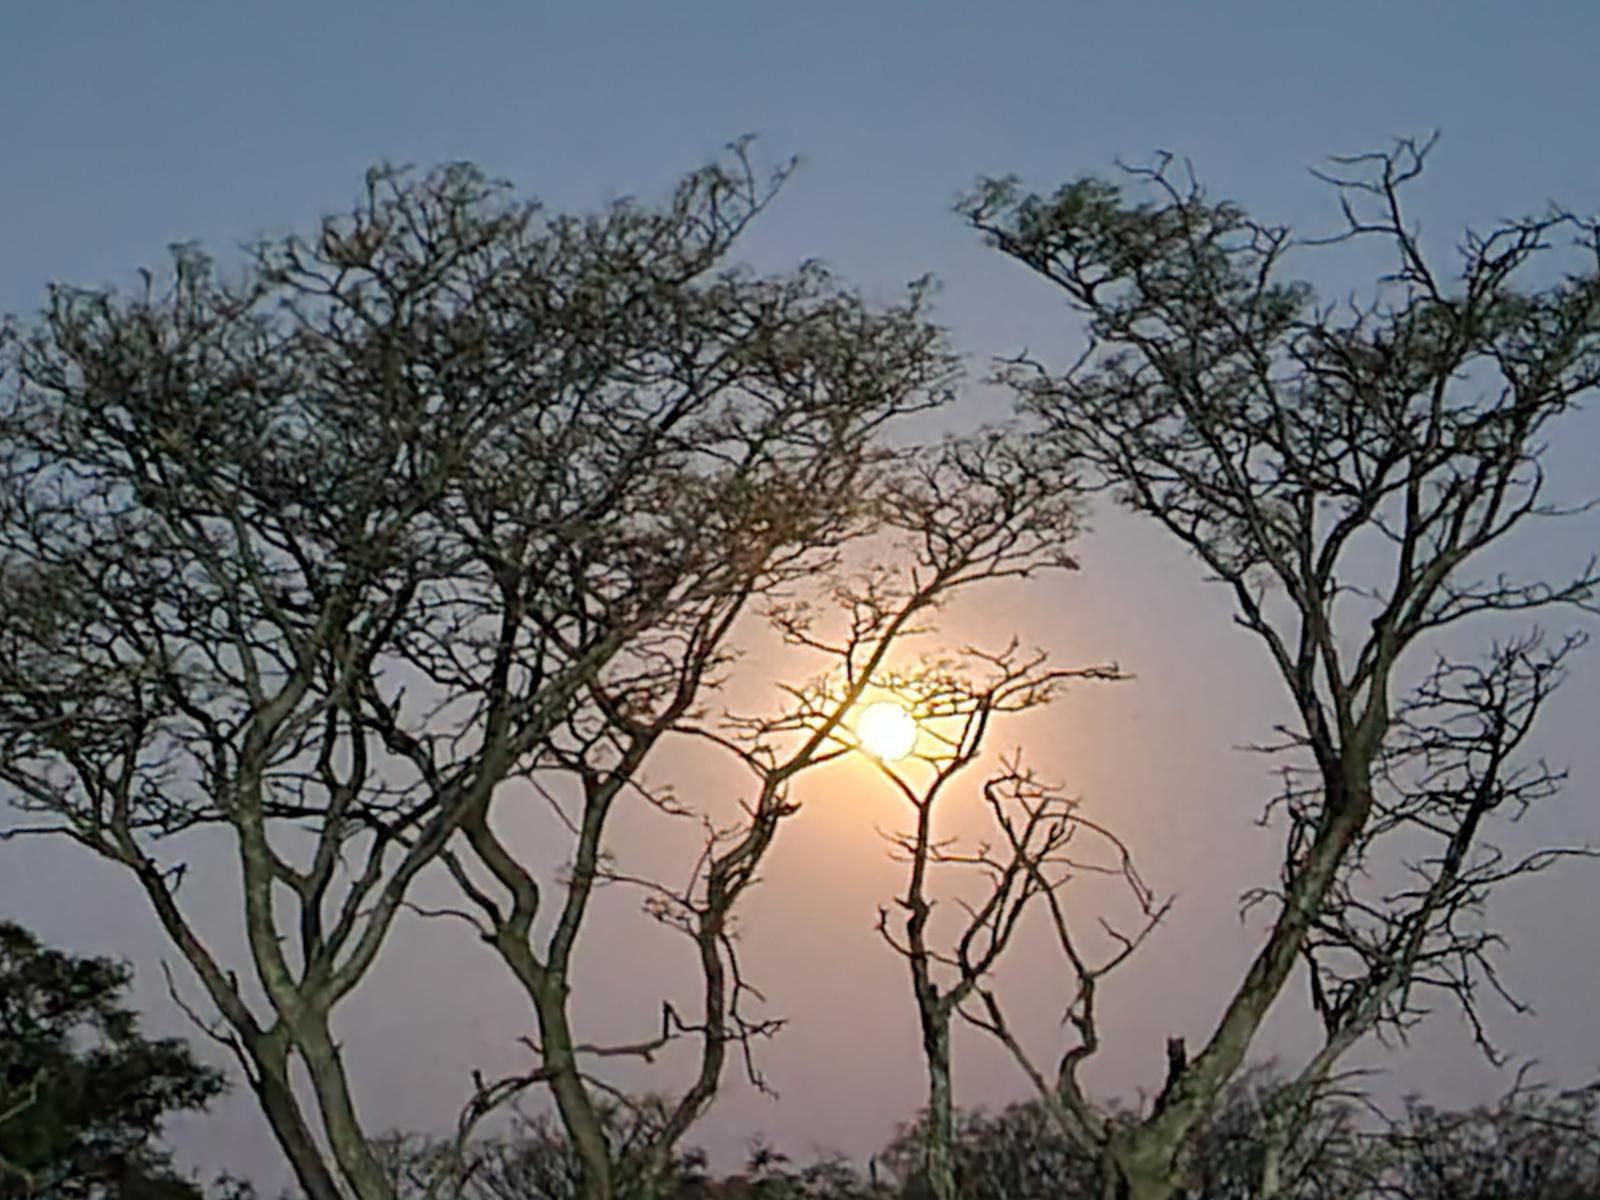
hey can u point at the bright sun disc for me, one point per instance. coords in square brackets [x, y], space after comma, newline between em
[886, 730]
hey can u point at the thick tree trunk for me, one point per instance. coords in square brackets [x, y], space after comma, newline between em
[1134, 1168]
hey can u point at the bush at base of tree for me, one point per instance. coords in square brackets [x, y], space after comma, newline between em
[82, 1093]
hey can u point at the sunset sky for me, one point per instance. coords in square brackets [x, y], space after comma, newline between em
[128, 127]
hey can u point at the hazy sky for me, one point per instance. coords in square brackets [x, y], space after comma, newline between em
[130, 126]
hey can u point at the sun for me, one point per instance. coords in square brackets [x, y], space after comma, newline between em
[886, 730]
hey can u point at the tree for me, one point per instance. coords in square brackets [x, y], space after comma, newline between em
[448, 496]
[449, 502]
[533, 1160]
[950, 516]
[1041, 841]
[82, 1093]
[1534, 1143]
[1017, 1153]
[1352, 476]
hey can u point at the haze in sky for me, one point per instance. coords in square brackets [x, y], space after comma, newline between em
[128, 127]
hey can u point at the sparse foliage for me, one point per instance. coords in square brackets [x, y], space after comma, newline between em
[448, 496]
[1535, 1142]
[1040, 841]
[531, 1159]
[455, 499]
[1351, 474]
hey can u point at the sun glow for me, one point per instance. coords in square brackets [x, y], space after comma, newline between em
[886, 731]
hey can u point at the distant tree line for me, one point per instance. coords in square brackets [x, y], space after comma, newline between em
[1535, 1143]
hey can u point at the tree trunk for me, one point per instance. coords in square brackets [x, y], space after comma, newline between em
[351, 1148]
[1133, 1169]
[578, 1116]
[271, 1086]
[1274, 1147]
[938, 1161]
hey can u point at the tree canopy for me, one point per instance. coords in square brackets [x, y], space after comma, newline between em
[450, 500]
[451, 504]
[1350, 472]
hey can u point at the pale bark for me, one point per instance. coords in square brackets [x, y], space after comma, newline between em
[939, 1162]
[270, 1082]
[1315, 459]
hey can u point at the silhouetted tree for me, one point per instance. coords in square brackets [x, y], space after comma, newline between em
[450, 500]
[82, 1093]
[1353, 475]
[1017, 1153]
[947, 517]
[970, 510]
[1039, 841]
[449, 494]
[532, 1158]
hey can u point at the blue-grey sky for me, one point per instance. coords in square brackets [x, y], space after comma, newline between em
[129, 126]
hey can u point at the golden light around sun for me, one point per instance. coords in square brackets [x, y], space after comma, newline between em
[886, 731]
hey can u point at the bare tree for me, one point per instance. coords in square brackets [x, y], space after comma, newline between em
[967, 512]
[1350, 473]
[1394, 936]
[449, 494]
[1040, 841]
